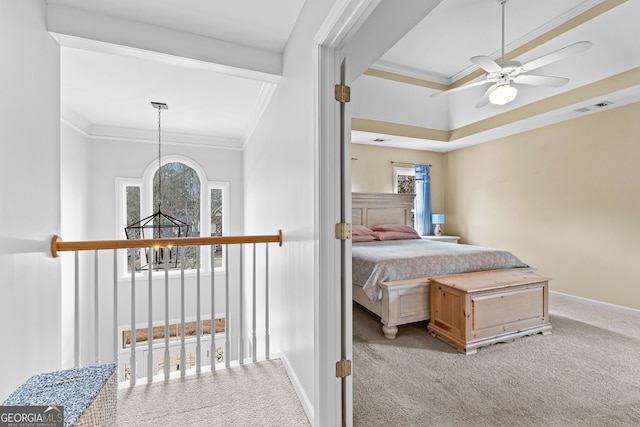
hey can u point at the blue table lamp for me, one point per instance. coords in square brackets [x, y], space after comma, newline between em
[437, 220]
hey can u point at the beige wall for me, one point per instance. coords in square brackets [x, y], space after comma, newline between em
[372, 172]
[564, 198]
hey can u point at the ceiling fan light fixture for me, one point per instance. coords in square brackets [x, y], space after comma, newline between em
[503, 94]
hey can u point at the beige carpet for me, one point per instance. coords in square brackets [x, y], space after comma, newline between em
[587, 373]
[257, 394]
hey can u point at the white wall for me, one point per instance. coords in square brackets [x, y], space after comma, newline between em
[30, 194]
[129, 159]
[75, 207]
[279, 194]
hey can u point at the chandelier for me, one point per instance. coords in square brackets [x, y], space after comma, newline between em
[158, 225]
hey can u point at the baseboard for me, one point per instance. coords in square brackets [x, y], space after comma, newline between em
[302, 396]
[606, 305]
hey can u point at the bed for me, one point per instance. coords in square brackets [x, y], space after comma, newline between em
[391, 277]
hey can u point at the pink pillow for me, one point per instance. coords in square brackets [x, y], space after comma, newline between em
[396, 235]
[395, 232]
[362, 238]
[396, 227]
[361, 230]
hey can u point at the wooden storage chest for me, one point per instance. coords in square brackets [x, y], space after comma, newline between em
[472, 310]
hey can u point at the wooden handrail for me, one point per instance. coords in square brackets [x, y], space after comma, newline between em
[57, 245]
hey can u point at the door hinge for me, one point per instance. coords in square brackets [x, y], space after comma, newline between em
[343, 231]
[343, 368]
[343, 93]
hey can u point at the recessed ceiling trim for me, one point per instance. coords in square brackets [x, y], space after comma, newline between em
[407, 71]
[586, 16]
[597, 89]
[389, 128]
[405, 79]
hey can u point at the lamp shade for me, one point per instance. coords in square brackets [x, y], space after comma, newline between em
[437, 218]
[503, 94]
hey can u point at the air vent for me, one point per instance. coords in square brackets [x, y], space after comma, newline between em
[594, 107]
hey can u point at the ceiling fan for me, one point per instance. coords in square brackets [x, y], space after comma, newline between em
[505, 74]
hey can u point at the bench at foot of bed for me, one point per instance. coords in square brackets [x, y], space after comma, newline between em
[472, 310]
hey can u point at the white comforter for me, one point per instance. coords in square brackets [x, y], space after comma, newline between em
[382, 261]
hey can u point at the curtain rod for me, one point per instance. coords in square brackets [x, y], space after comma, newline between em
[404, 163]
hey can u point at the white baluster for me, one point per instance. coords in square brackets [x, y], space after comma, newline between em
[76, 310]
[115, 306]
[253, 325]
[167, 355]
[241, 313]
[183, 356]
[132, 359]
[198, 320]
[213, 309]
[96, 310]
[266, 303]
[227, 322]
[150, 367]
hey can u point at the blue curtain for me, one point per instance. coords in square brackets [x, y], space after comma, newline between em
[423, 200]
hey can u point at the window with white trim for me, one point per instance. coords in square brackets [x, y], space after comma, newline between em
[404, 180]
[186, 195]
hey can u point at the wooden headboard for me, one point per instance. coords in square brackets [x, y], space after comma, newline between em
[371, 209]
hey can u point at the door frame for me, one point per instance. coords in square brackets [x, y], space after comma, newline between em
[352, 26]
[341, 23]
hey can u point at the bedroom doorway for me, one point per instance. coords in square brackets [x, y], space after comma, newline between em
[352, 33]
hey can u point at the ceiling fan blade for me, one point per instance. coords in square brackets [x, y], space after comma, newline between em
[557, 55]
[484, 100]
[535, 80]
[456, 89]
[486, 63]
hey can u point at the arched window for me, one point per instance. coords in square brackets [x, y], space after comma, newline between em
[176, 193]
[180, 193]
[179, 188]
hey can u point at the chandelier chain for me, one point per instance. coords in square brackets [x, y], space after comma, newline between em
[159, 160]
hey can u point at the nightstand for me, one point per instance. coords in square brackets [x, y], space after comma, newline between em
[445, 239]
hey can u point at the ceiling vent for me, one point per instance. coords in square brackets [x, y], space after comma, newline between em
[594, 106]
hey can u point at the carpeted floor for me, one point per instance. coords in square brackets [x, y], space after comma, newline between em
[258, 394]
[587, 373]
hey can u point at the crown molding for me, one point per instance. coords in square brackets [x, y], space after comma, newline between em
[74, 121]
[266, 92]
[78, 123]
[112, 133]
